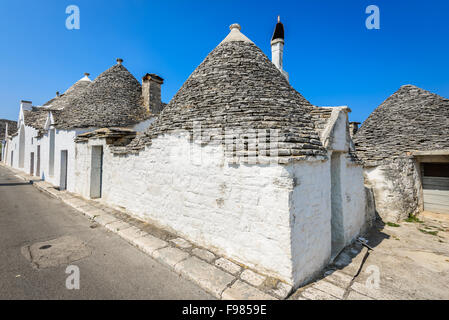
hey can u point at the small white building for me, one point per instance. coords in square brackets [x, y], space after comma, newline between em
[240, 163]
[404, 145]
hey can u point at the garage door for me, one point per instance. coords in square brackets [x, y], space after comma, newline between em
[436, 187]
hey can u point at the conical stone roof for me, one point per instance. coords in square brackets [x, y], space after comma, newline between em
[238, 87]
[64, 100]
[113, 99]
[412, 119]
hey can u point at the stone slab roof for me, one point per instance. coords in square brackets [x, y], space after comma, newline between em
[412, 119]
[237, 87]
[113, 99]
[36, 118]
[64, 100]
[12, 127]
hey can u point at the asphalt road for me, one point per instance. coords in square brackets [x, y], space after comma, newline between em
[113, 270]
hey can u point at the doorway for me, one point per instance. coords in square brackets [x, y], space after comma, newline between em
[96, 173]
[51, 155]
[21, 146]
[38, 162]
[63, 175]
[337, 227]
[32, 164]
[436, 187]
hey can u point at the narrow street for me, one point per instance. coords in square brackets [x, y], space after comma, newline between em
[109, 267]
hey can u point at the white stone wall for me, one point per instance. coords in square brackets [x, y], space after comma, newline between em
[30, 146]
[255, 214]
[64, 140]
[310, 207]
[355, 217]
[397, 189]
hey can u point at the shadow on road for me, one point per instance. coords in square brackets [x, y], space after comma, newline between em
[14, 184]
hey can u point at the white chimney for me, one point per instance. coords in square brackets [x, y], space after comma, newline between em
[26, 105]
[277, 47]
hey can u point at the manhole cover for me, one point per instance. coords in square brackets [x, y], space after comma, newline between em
[56, 252]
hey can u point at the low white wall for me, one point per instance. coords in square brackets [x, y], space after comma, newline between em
[355, 217]
[64, 140]
[310, 207]
[396, 187]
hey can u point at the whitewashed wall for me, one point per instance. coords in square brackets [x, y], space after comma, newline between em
[355, 217]
[30, 146]
[310, 208]
[397, 188]
[255, 214]
[64, 140]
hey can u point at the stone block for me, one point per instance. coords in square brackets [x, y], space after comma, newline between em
[243, 291]
[354, 295]
[204, 254]
[339, 278]
[228, 266]
[282, 290]
[315, 294]
[182, 243]
[205, 275]
[117, 226]
[149, 244]
[131, 233]
[170, 256]
[330, 289]
[252, 277]
[104, 219]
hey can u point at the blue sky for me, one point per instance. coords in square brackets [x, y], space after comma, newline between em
[331, 57]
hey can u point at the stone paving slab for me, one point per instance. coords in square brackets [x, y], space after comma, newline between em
[104, 219]
[315, 294]
[339, 278]
[170, 256]
[370, 292]
[149, 244]
[228, 266]
[242, 291]
[330, 288]
[252, 277]
[353, 295]
[117, 226]
[282, 290]
[204, 254]
[205, 275]
[131, 233]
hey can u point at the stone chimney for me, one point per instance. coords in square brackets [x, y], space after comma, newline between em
[353, 128]
[277, 47]
[119, 61]
[151, 92]
[57, 93]
[26, 105]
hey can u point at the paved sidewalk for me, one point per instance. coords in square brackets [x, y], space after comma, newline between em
[410, 261]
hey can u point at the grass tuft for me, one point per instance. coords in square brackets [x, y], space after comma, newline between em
[392, 224]
[413, 219]
[433, 233]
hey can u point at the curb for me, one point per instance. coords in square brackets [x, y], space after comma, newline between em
[215, 274]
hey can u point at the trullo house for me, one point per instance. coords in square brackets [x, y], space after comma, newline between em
[404, 145]
[238, 162]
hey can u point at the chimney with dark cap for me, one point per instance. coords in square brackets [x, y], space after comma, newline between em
[277, 47]
[119, 61]
[151, 92]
